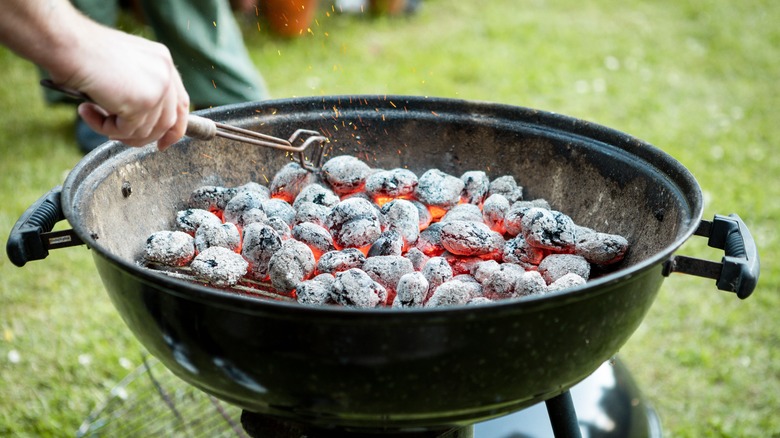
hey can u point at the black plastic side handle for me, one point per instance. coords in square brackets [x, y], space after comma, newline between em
[31, 237]
[740, 267]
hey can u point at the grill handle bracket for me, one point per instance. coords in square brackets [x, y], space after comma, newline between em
[32, 237]
[739, 268]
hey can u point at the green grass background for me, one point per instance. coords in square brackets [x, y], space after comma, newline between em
[698, 79]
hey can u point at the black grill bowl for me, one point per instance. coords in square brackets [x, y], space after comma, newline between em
[388, 368]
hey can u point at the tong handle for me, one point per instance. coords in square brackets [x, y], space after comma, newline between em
[200, 128]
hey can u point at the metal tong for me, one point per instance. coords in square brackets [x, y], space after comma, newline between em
[201, 128]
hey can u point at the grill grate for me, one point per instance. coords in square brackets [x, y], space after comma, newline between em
[245, 286]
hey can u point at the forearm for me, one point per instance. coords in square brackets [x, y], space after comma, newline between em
[42, 31]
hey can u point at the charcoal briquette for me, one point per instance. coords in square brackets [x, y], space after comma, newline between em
[437, 271]
[190, 220]
[494, 211]
[453, 293]
[463, 212]
[530, 283]
[242, 203]
[211, 198]
[393, 183]
[314, 235]
[337, 261]
[288, 182]
[311, 212]
[219, 266]
[548, 229]
[316, 291]
[345, 174]
[500, 283]
[170, 248]
[429, 240]
[601, 248]
[507, 186]
[555, 266]
[518, 251]
[469, 238]
[475, 187]
[438, 189]
[565, 282]
[411, 291]
[403, 217]
[354, 223]
[259, 245]
[291, 264]
[417, 257]
[387, 270]
[355, 288]
[225, 235]
[390, 242]
[281, 209]
[317, 194]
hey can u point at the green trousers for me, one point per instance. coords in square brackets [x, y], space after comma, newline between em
[205, 42]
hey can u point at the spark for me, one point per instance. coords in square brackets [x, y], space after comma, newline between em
[213, 83]
[434, 113]
[214, 23]
[393, 104]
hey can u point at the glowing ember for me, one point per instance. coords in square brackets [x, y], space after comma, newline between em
[361, 237]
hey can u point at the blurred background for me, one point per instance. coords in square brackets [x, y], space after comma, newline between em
[698, 79]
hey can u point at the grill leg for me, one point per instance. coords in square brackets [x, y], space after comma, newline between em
[563, 418]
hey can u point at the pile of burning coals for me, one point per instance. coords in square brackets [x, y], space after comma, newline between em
[363, 237]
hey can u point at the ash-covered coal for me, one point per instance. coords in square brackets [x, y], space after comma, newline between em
[355, 236]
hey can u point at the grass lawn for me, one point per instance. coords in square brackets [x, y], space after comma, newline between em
[698, 79]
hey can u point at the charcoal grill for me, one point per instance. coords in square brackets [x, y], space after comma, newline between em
[394, 370]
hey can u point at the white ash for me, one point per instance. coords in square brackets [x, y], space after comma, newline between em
[507, 186]
[475, 186]
[317, 194]
[281, 209]
[345, 174]
[548, 229]
[170, 248]
[438, 189]
[253, 215]
[566, 282]
[453, 293]
[530, 283]
[354, 223]
[513, 219]
[314, 235]
[417, 257]
[252, 186]
[477, 301]
[219, 266]
[288, 182]
[190, 219]
[260, 243]
[242, 203]
[500, 284]
[412, 290]
[354, 288]
[601, 248]
[483, 270]
[394, 183]
[494, 211]
[463, 212]
[518, 251]
[429, 240]
[402, 216]
[555, 266]
[387, 270]
[390, 242]
[280, 226]
[337, 261]
[437, 271]
[469, 238]
[291, 264]
[210, 197]
[311, 212]
[225, 235]
[315, 292]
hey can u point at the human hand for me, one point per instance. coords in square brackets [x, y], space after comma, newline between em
[137, 94]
